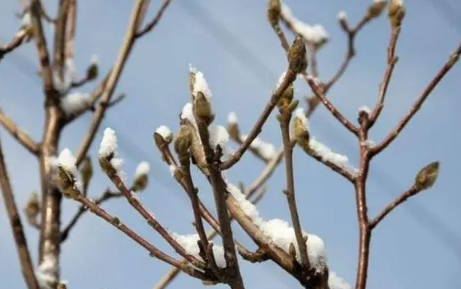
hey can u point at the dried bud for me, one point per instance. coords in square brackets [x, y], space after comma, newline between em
[376, 8]
[396, 13]
[301, 127]
[32, 208]
[141, 178]
[202, 109]
[183, 141]
[92, 71]
[86, 172]
[274, 10]
[297, 55]
[427, 176]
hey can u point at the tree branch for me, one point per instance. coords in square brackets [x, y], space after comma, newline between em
[21, 37]
[151, 25]
[16, 225]
[23, 138]
[82, 210]
[130, 38]
[289, 78]
[418, 103]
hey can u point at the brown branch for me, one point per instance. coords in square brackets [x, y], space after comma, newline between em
[21, 37]
[153, 251]
[23, 138]
[154, 21]
[334, 111]
[284, 118]
[60, 37]
[82, 210]
[361, 204]
[132, 200]
[418, 103]
[16, 226]
[414, 190]
[70, 27]
[173, 273]
[130, 38]
[290, 77]
[234, 133]
[391, 61]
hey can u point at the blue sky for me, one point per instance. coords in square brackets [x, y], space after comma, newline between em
[406, 253]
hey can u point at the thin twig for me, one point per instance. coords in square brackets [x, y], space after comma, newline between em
[391, 61]
[334, 111]
[285, 118]
[83, 209]
[290, 76]
[60, 38]
[23, 138]
[21, 37]
[16, 226]
[418, 103]
[130, 38]
[154, 21]
[397, 202]
[153, 251]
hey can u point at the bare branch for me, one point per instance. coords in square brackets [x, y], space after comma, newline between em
[20, 38]
[16, 225]
[418, 103]
[414, 190]
[23, 138]
[83, 209]
[113, 78]
[290, 76]
[154, 21]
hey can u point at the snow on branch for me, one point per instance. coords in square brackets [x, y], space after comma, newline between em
[265, 149]
[108, 151]
[75, 102]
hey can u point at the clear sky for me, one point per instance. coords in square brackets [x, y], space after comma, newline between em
[418, 246]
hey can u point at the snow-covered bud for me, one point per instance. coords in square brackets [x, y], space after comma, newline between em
[32, 208]
[86, 172]
[396, 13]
[201, 95]
[375, 9]
[342, 19]
[427, 176]
[183, 142]
[297, 60]
[364, 113]
[61, 286]
[162, 136]
[232, 126]
[301, 127]
[92, 71]
[67, 180]
[274, 10]
[141, 177]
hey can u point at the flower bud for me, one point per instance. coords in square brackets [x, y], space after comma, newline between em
[375, 9]
[183, 141]
[301, 127]
[86, 172]
[274, 10]
[141, 178]
[92, 71]
[32, 208]
[232, 127]
[287, 96]
[297, 60]
[202, 109]
[427, 176]
[396, 13]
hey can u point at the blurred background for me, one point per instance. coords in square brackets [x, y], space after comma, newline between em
[417, 246]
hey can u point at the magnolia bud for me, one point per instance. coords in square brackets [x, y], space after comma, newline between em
[183, 141]
[202, 109]
[274, 10]
[396, 13]
[32, 208]
[376, 8]
[92, 71]
[141, 178]
[427, 176]
[301, 127]
[86, 172]
[67, 183]
[297, 55]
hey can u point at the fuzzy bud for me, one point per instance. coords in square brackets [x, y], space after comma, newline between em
[86, 172]
[32, 208]
[183, 142]
[396, 13]
[233, 130]
[141, 178]
[202, 109]
[67, 183]
[274, 10]
[287, 96]
[375, 9]
[301, 127]
[297, 60]
[427, 176]
[342, 19]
